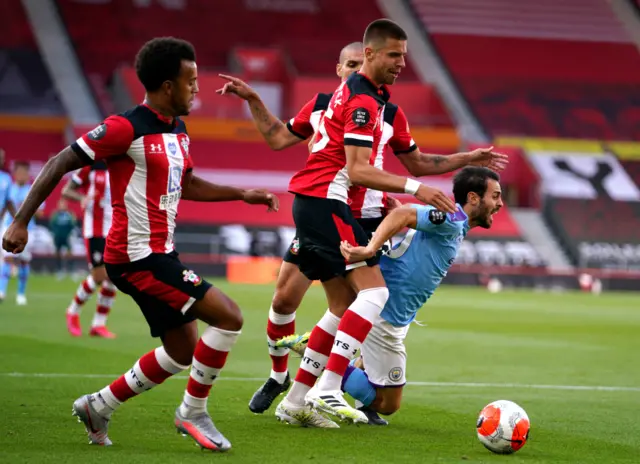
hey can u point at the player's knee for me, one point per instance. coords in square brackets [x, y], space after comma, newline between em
[389, 406]
[232, 319]
[99, 274]
[377, 296]
[283, 303]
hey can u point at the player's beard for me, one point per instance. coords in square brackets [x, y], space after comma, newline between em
[483, 216]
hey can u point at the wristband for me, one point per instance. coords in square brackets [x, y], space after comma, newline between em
[411, 187]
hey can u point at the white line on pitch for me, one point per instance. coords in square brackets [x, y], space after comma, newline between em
[415, 384]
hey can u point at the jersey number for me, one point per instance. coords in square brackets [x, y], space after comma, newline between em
[403, 246]
[324, 140]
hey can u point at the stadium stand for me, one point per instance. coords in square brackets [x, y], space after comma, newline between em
[25, 85]
[587, 88]
[309, 32]
[593, 206]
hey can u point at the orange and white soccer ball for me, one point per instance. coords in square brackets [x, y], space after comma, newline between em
[503, 427]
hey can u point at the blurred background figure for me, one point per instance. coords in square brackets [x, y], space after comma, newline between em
[17, 192]
[62, 223]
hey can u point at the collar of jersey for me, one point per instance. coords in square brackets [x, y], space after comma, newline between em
[459, 215]
[161, 117]
[382, 91]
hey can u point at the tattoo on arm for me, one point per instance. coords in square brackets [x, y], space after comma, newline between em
[437, 160]
[267, 124]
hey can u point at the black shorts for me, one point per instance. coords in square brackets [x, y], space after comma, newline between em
[95, 251]
[163, 288]
[62, 242]
[321, 225]
[292, 255]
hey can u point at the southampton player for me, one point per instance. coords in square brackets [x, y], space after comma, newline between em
[151, 169]
[368, 206]
[413, 269]
[16, 195]
[91, 187]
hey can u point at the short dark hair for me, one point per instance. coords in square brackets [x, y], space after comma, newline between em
[159, 60]
[381, 30]
[472, 179]
[348, 48]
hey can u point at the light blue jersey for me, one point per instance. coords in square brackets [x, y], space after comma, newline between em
[17, 194]
[414, 268]
[5, 183]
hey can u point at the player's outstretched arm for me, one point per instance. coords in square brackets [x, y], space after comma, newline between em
[198, 189]
[422, 164]
[362, 173]
[273, 130]
[396, 220]
[15, 238]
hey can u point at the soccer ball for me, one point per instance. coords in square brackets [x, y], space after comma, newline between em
[503, 427]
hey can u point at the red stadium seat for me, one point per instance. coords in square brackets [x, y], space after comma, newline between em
[108, 34]
[574, 77]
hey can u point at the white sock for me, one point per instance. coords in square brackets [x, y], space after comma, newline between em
[313, 361]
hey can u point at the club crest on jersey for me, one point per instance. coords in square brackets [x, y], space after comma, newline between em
[173, 148]
[185, 146]
[98, 132]
[190, 276]
[295, 246]
[395, 374]
[437, 217]
[360, 117]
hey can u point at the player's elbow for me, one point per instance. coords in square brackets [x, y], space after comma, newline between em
[405, 216]
[357, 175]
[277, 144]
[416, 170]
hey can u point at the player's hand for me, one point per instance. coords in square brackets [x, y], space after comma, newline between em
[84, 202]
[236, 86]
[262, 197]
[393, 203]
[15, 238]
[487, 158]
[355, 254]
[436, 198]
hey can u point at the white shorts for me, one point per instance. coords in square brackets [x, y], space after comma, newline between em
[384, 354]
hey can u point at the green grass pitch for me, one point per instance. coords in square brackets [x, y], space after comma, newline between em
[547, 352]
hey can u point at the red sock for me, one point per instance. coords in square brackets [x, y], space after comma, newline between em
[150, 370]
[209, 358]
[279, 326]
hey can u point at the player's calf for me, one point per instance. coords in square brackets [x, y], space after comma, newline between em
[210, 355]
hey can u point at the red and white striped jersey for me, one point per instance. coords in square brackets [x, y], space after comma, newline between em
[94, 182]
[353, 117]
[364, 202]
[147, 156]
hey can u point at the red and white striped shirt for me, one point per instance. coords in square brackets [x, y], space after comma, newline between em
[353, 117]
[147, 156]
[364, 202]
[94, 182]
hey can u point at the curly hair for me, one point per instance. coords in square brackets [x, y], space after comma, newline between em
[159, 60]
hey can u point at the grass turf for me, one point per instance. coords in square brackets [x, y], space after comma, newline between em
[531, 348]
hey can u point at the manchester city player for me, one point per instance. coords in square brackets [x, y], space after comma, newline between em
[15, 197]
[413, 269]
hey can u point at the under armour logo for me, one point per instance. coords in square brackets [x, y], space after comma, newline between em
[156, 148]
